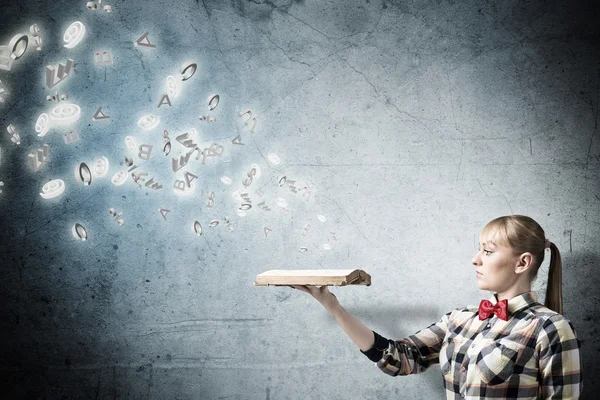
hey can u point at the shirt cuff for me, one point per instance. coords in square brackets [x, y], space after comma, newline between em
[375, 353]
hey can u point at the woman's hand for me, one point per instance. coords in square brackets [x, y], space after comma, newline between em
[321, 293]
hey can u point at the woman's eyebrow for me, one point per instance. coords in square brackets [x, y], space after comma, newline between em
[490, 243]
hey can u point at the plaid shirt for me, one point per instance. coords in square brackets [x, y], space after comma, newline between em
[533, 355]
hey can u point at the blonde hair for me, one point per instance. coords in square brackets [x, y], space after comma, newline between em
[523, 234]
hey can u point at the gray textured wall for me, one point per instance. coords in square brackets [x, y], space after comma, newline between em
[416, 123]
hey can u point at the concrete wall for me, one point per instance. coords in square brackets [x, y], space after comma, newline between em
[413, 123]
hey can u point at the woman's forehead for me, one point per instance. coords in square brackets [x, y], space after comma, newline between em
[488, 238]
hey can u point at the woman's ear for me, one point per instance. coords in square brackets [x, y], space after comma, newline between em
[524, 264]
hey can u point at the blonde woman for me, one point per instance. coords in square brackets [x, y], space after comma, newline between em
[508, 347]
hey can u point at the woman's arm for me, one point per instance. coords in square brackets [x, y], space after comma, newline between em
[411, 355]
[362, 336]
[559, 360]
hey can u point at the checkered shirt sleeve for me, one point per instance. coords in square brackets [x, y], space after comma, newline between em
[411, 355]
[561, 374]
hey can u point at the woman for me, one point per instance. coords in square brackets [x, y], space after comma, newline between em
[510, 347]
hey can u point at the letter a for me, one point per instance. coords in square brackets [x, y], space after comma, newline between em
[100, 115]
[164, 100]
[164, 212]
[144, 41]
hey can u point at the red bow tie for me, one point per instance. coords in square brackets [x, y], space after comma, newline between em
[486, 308]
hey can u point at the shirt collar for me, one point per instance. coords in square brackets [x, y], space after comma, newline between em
[518, 302]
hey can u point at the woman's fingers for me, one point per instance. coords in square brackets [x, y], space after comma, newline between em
[300, 287]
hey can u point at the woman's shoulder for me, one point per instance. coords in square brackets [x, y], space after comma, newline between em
[547, 316]
[461, 314]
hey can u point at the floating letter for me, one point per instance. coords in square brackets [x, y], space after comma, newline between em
[143, 41]
[164, 100]
[185, 74]
[103, 58]
[57, 73]
[53, 189]
[145, 150]
[164, 212]
[37, 158]
[74, 34]
[189, 177]
[148, 122]
[100, 115]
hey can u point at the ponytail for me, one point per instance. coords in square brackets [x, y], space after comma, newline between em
[553, 298]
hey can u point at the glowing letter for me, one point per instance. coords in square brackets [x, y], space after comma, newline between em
[74, 34]
[100, 167]
[37, 158]
[42, 124]
[53, 189]
[148, 122]
[57, 73]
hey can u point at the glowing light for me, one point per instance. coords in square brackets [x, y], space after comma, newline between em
[172, 86]
[36, 159]
[74, 34]
[275, 160]
[83, 174]
[15, 50]
[100, 167]
[281, 202]
[57, 73]
[35, 32]
[53, 189]
[130, 143]
[148, 122]
[119, 178]
[65, 114]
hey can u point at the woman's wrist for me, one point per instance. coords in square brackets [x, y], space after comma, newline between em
[334, 308]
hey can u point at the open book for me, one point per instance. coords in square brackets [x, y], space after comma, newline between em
[316, 277]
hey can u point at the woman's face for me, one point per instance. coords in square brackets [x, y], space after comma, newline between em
[494, 266]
